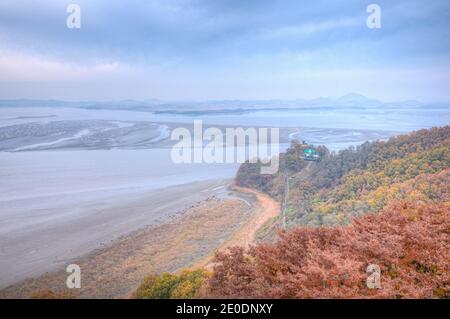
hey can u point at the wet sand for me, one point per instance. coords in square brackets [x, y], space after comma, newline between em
[40, 241]
[116, 270]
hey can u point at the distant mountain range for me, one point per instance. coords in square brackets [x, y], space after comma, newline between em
[351, 100]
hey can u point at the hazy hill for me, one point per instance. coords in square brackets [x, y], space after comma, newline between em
[351, 100]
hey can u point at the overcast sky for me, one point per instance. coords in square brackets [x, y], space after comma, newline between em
[235, 49]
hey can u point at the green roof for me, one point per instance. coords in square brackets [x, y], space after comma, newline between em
[309, 151]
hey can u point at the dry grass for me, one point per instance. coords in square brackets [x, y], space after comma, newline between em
[264, 209]
[115, 271]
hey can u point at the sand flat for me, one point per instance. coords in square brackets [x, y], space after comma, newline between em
[116, 270]
[39, 240]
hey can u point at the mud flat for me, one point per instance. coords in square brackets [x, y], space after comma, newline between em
[35, 241]
[191, 234]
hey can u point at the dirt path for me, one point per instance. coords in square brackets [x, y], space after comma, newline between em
[265, 208]
[191, 237]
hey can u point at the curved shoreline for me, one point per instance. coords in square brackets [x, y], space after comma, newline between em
[190, 238]
[67, 233]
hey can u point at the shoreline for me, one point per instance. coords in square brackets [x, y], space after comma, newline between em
[57, 236]
[186, 241]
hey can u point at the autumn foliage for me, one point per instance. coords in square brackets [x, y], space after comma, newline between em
[384, 203]
[355, 181]
[409, 241]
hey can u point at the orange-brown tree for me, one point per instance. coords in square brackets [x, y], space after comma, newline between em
[409, 241]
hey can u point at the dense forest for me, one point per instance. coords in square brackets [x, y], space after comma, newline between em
[355, 181]
[384, 203]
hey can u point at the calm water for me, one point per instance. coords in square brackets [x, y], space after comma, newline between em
[30, 174]
[399, 120]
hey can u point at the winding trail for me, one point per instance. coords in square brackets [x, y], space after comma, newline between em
[190, 236]
[264, 209]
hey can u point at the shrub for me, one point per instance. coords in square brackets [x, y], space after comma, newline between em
[50, 294]
[409, 241]
[171, 286]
